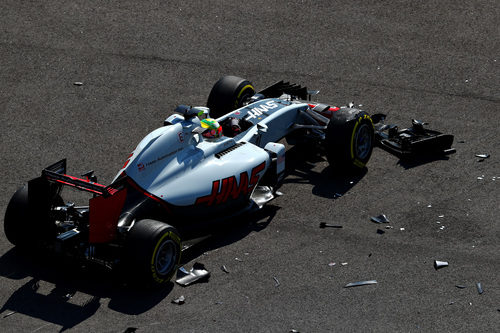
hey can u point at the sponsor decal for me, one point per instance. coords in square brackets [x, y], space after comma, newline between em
[180, 135]
[261, 109]
[162, 157]
[141, 167]
[228, 188]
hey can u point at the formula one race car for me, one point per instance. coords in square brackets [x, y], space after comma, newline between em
[191, 168]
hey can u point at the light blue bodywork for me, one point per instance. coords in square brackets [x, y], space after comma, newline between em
[176, 164]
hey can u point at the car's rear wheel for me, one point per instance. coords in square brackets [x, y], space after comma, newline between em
[349, 139]
[153, 251]
[228, 94]
[27, 220]
[17, 219]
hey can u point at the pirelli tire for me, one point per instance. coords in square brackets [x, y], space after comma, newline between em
[152, 252]
[17, 222]
[349, 140]
[27, 223]
[228, 94]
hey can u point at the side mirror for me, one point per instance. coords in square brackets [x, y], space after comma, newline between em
[202, 112]
[189, 112]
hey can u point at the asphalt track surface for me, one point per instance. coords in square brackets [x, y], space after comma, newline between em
[437, 61]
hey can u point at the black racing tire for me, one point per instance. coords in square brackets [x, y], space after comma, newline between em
[349, 140]
[27, 224]
[16, 221]
[153, 252]
[228, 94]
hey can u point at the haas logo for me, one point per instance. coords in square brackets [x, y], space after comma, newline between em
[228, 188]
[259, 110]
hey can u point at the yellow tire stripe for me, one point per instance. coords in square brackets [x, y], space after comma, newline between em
[248, 86]
[352, 137]
[153, 268]
[357, 162]
[244, 88]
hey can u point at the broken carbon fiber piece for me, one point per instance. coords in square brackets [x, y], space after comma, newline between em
[479, 288]
[196, 273]
[360, 283]
[323, 225]
[440, 264]
[380, 219]
[179, 301]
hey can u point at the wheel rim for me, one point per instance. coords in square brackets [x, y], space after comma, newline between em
[363, 142]
[245, 95]
[165, 258]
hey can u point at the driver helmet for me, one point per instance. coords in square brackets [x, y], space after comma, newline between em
[212, 128]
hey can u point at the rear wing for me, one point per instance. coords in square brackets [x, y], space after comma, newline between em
[296, 91]
[57, 173]
[279, 88]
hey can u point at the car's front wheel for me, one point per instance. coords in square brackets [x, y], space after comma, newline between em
[349, 139]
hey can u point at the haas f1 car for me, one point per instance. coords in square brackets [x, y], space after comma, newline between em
[221, 160]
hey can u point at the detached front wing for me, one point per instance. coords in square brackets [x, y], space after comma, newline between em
[413, 141]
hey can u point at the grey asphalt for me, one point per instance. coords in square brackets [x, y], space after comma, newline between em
[437, 61]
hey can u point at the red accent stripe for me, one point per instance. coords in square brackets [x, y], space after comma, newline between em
[327, 113]
[128, 160]
[82, 188]
[112, 190]
[149, 195]
[125, 164]
[83, 180]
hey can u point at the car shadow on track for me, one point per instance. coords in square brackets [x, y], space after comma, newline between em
[409, 163]
[229, 233]
[66, 293]
[328, 183]
[52, 307]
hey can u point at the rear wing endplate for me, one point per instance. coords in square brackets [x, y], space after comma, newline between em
[57, 173]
